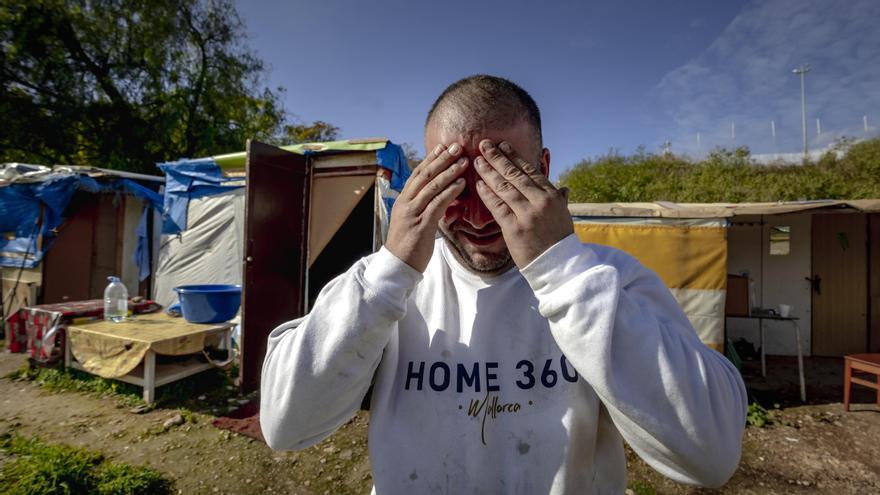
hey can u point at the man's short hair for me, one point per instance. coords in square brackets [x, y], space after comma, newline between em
[482, 102]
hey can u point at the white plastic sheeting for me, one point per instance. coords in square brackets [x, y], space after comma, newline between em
[209, 251]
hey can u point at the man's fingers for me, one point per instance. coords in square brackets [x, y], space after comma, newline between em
[438, 160]
[438, 204]
[500, 186]
[522, 163]
[512, 167]
[530, 169]
[437, 185]
[500, 210]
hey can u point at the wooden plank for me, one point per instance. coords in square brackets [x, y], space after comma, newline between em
[345, 159]
[839, 258]
[865, 383]
[368, 140]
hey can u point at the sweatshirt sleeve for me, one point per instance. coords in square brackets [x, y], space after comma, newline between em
[679, 404]
[318, 368]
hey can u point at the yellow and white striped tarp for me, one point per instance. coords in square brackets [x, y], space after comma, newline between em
[690, 256]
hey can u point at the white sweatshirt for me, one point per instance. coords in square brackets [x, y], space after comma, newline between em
[523, 382]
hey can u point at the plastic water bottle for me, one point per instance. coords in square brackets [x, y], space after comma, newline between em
[115, 300]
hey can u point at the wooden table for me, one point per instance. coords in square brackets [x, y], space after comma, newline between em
[797, 337]
[129, 349]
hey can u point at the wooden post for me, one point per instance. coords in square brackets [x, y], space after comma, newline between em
[67, 353]
[797, 336]
[763, 361]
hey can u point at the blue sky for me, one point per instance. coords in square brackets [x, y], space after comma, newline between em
[607, 75]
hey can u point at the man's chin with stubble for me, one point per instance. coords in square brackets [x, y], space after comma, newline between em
[479, 261]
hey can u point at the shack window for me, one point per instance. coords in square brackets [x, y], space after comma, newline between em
[780, 240]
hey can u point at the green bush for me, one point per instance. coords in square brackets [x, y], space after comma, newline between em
[725, 176]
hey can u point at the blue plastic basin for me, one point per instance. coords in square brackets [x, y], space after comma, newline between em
[209, 303]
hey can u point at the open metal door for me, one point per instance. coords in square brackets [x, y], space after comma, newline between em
[275, 253]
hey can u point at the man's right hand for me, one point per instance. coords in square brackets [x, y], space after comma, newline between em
[433, 185]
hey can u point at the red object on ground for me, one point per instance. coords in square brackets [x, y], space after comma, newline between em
[40, 329]
[865, 363]
[245, 420]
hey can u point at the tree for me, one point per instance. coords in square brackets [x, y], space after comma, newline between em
[319, 131]
[127, 83]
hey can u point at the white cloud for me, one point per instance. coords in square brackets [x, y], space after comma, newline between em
[745, 77]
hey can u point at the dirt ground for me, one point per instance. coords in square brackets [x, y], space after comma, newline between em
[808, 448]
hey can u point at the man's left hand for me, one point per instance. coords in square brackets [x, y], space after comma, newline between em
[532, 213]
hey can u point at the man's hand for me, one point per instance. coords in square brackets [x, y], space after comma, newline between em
[532, 213]
[434, 184]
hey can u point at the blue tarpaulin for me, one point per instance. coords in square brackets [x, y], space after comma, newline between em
[141, 255]
[21, 206]
[187, 179]
[394, 159]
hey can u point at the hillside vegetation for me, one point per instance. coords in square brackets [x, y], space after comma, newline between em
[726, 176]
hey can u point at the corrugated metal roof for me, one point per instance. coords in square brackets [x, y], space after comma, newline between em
[24, 172]
[666, 209]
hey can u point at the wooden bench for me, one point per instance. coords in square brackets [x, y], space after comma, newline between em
[867, 363]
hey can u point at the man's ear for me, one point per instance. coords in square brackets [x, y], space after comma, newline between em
[545, 162]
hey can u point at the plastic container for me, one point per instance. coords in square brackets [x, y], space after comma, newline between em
[209, 303]
[115, 300]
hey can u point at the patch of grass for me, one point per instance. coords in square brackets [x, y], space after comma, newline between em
[119, 479]
[188, 416]
[215, 385]
[71, 380]
[40, 469]
[757, 415]
[642, 488]
[45, 469]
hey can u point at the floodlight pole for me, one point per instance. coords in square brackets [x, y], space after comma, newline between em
[801, 71]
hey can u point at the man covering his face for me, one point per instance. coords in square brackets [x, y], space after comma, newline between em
[505, 355]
